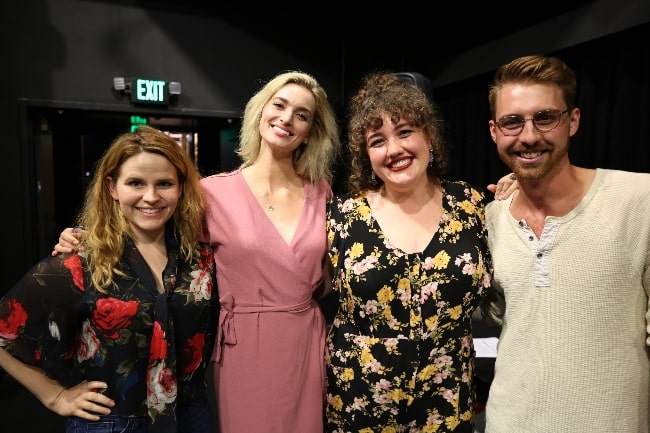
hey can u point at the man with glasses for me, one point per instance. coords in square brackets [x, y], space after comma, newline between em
[571, 256]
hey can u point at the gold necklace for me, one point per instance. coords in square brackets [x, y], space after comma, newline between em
[271, 208]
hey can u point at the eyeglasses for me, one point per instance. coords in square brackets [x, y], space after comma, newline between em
[544, 121]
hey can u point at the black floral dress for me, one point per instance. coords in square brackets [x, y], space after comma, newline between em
[152, 349]
[400, 354]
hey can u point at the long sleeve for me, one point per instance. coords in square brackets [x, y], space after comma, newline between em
[38, 316]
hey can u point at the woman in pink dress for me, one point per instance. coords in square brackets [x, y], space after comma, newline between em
[266, 223]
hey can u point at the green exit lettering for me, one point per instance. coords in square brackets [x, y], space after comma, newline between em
[149, 91]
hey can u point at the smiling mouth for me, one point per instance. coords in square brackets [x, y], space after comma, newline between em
[400, 164]
[530, 155]
[150, 211]
[281, 130]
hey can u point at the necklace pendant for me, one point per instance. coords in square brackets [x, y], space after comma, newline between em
[271, 208]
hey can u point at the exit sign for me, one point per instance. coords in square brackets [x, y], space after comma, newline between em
[148, 91]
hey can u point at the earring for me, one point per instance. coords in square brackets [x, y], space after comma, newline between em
[373, 178]
[430, 164]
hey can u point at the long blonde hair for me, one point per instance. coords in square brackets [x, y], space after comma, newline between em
[312, 160]
[104, 223]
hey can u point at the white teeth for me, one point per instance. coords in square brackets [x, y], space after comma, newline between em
[150, 211]
[530, 155]
[400, 163]
[282, 131]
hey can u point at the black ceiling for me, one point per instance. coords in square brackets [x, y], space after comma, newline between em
[397, 35]
[451, 26]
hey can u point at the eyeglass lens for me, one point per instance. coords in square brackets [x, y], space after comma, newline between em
[544, 121]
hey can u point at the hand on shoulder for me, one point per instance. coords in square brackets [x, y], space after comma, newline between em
[69, 240]
[504, 187]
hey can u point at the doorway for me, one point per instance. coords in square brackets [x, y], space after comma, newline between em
[68, 142]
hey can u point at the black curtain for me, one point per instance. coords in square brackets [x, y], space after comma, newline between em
[613, 96]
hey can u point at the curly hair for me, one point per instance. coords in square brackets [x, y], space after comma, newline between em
[384, 93]
[105, 225]
[312, 161]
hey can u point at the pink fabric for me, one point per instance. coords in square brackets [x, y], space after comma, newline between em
[269, 354]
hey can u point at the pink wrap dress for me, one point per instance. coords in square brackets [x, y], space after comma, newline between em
[269, 351]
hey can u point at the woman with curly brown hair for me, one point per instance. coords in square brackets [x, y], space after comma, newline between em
[411, 264]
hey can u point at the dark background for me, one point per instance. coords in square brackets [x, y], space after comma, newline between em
[58, 110]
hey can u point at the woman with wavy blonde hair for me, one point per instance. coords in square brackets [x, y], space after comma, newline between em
[266, 222]
[120, 334]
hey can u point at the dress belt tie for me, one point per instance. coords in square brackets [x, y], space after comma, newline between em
[226, 329]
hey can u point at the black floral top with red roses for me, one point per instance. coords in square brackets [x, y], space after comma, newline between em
[152, 349]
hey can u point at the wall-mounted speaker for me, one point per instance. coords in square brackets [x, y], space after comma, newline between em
[419, 80]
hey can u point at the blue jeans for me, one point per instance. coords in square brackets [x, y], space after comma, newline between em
[194, 418]
[108, 424]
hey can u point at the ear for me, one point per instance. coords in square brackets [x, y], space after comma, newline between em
[574, 121]
[111, 188]
[493, 131]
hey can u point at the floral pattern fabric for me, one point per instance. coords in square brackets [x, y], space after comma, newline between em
[152, 349]
[400, 354]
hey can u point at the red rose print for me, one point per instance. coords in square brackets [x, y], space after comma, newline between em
[111, 315]
[16, 318]
[206, 260]
[158, 343]
[193, 352]
[161, 387]
[201, 285]
[88, 343]
[74, 264]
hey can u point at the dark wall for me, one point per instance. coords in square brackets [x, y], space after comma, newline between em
[613, 95]
[66, 52]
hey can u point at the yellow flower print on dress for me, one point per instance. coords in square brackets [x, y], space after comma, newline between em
[454, 313]
[356, 251]
[431, 322]
[413, 305]
[367, 360]
[441, 260]
[476, 196]
[388, 315]
[404, 284]
[451, 422]
[385, 295]
[455, 226]
[334, 259]
[431, 428]
[364, 211]
[468, 206]
[415, 318]
[347, 374]
[336, 402]
[397, 395]
[427, 372]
